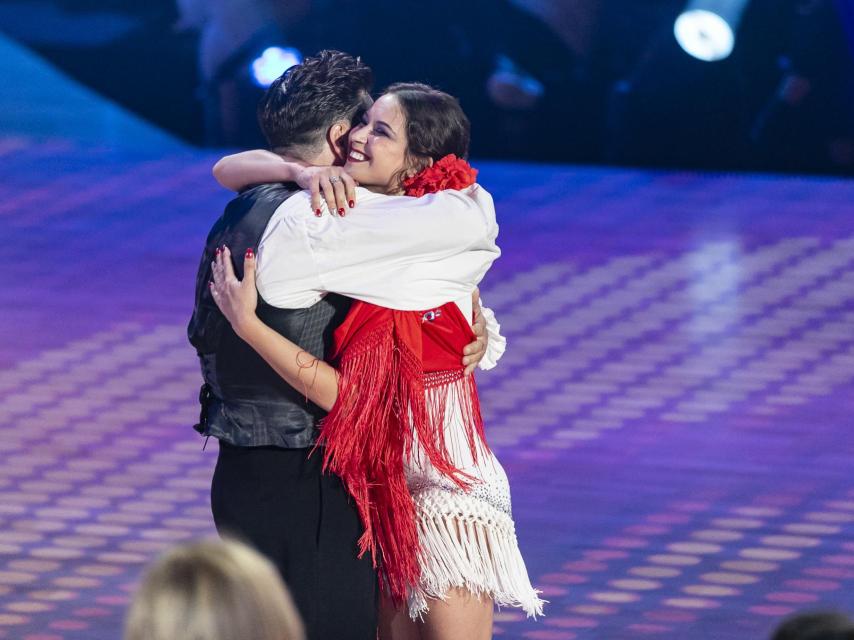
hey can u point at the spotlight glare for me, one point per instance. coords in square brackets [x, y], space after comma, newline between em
[272, 63]
[704, 34]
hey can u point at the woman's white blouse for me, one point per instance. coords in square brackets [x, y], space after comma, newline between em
[394, 251]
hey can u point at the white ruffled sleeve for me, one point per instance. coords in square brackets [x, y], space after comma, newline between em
[496, 343]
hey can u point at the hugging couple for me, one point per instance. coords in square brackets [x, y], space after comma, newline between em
[338, 328]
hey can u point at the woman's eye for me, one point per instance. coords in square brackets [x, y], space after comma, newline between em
[378, 132]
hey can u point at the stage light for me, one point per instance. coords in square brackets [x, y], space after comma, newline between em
[272, 63]
[706, 28]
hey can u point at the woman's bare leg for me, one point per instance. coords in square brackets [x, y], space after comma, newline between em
[461, 615]
[395, 623]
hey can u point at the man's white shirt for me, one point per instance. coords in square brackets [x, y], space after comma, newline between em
[399, 252]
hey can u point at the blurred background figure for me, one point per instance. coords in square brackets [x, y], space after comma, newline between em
[212, 590]
[503, 62]
[233, 38]
[779, 99]
[713, 84]
[807, 118]
[822, 625]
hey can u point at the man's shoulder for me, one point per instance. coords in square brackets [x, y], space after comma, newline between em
[272, 191]
[260, 199]
[252, 206]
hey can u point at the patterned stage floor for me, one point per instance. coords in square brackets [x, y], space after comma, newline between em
[674, 410]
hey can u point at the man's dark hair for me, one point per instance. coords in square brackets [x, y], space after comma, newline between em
[300, 106]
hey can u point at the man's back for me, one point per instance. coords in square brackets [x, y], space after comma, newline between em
[244, 401]
[267, 488]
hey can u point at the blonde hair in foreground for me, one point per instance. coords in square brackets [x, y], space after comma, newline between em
[212, 590]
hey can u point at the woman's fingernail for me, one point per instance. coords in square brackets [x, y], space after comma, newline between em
[318, 212]
[341, 211]
[249, 253]
[218, 251]
[352, 203]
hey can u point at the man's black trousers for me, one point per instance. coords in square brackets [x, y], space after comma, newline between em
[278, 501]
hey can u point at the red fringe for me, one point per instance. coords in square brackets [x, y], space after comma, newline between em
[386, 403]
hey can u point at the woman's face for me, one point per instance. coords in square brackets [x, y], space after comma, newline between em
[378, 145]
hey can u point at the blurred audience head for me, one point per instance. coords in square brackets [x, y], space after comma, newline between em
[307, 112]
[819, 625]
[212, 590]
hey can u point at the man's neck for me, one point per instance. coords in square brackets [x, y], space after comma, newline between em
[317, 160]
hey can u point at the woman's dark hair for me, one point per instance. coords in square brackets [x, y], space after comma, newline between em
[436, 125]
[300, 106]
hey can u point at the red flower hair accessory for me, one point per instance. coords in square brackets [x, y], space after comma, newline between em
[450, 172]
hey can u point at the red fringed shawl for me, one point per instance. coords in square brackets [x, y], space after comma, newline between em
[398, 372]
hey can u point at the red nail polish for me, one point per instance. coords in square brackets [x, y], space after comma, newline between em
[318, 212]
[341, 211]
[352, 203]
[249, 253]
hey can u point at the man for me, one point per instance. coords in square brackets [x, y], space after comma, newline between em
[266, 487]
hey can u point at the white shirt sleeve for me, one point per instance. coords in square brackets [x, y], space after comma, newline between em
[496, 343]
[407, 253]
[286, 275]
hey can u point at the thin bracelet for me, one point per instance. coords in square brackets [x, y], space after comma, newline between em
[314, 363]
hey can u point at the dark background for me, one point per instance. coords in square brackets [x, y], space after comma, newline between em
[615, 86]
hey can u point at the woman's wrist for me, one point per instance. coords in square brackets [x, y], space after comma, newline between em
[292, 171]
[245, 326]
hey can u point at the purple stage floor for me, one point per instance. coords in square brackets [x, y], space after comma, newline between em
[674, 410]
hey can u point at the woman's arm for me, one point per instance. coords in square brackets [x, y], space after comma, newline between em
[331, 185]
[396, 251]
[240, 170]
[315, 378]
[237, 300]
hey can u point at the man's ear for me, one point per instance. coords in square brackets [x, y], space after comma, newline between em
[336, 138]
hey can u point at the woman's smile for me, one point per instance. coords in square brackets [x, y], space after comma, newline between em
[357, 156]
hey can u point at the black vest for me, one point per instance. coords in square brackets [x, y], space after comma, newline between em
[244, 401]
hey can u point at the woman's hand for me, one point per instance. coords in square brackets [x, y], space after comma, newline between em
[332, 184]
[237, 301]
[235, 298]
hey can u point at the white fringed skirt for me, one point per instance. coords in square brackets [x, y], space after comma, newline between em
[467, 538]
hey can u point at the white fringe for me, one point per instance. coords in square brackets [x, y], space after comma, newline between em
[467, 543]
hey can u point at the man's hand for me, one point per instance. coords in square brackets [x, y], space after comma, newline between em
[474, 352]
[332, 184]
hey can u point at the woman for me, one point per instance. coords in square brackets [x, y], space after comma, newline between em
[465, 547]
[212, 590]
